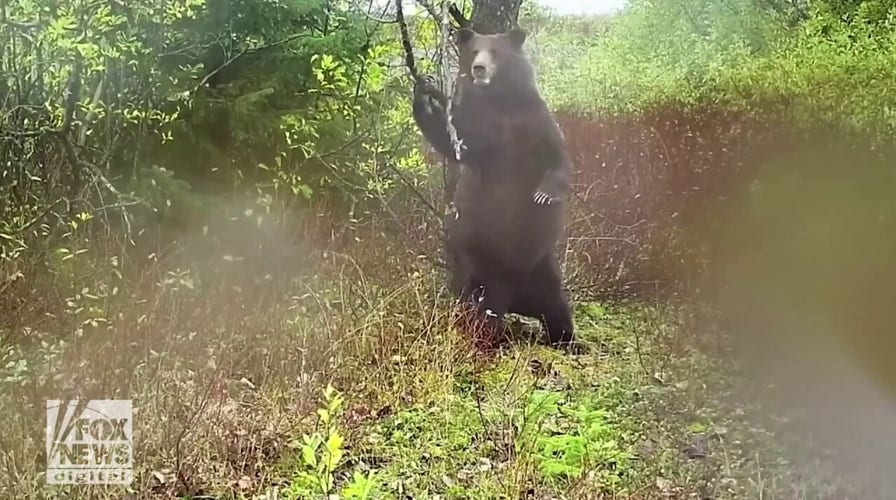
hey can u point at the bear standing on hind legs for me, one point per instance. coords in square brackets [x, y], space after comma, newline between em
[512, 187]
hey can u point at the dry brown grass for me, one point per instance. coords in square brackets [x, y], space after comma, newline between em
[223, 355]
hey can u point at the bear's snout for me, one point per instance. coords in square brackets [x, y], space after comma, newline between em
[481, 68]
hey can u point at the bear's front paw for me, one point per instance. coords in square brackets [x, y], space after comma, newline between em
[427, 94]
[543, 198]
[432, 106]
[551, 189]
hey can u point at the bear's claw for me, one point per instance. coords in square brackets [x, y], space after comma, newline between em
[542, 198]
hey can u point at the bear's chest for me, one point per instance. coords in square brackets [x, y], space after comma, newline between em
[510, 146]
[507, 130]
[496, 193]
[496, 126]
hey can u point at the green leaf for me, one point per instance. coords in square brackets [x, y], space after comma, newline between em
[308, 456]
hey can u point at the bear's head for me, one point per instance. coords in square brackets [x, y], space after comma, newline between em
[494, 61]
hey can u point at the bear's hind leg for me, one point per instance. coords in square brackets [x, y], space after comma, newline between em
[541, 296]
[556, 318]
[463, 283]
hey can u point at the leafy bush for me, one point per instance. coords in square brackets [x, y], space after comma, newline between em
[137, 123]
[829, 62]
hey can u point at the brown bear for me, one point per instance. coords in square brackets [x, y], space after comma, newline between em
[512, 186]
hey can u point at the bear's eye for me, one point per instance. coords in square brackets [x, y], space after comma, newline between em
[475, 52]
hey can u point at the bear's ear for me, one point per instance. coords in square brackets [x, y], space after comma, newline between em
[517, 36]
[463, 35]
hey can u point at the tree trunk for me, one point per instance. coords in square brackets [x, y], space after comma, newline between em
[495, 16]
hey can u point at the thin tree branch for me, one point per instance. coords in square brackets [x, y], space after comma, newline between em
[458, 16]
[429, 8]
[406, 42]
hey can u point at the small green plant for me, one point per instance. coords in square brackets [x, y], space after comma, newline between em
[322, 454]
[590, 444]
[592, 312]
[360, 487]
[566, 442]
